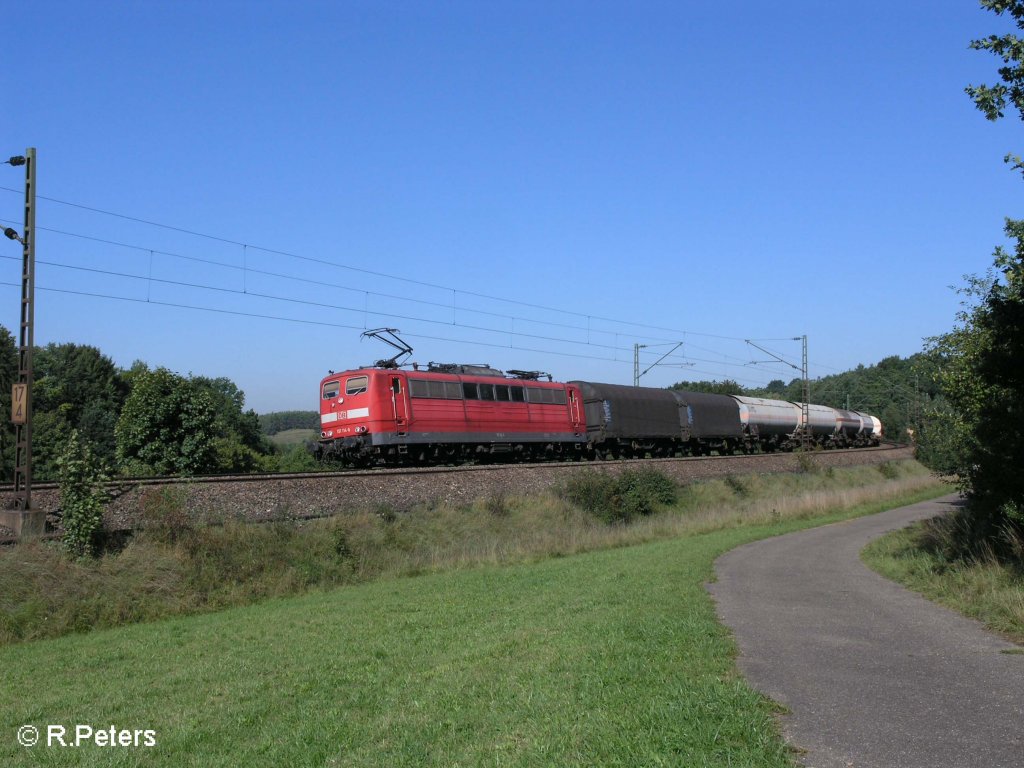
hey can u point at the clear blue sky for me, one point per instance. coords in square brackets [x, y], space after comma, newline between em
[742, 170]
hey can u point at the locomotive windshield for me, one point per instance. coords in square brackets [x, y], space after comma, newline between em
[331, 389]
[356, 385]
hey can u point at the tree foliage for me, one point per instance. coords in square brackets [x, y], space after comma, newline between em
[992, 100]
[983, 380]
[166, 426]
[238, 441]
[725, 387]
[75, 387]
[81, 474]
[980, 369]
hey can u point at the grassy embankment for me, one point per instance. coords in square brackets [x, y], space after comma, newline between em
[173, 569]
[987, 590]
[611, 657]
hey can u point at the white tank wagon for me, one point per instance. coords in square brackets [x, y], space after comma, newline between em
[824, 422]
[779, 424]
[850, 426]
[769, 423]
[876, 430]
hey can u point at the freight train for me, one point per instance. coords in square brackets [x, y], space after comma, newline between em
[448, 413]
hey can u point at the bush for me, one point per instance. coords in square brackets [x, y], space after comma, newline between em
[298, 458]
[805, 462]
[81, 476]
[888, 470]
[634, 493]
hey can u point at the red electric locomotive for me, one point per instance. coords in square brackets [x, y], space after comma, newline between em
[382, 414]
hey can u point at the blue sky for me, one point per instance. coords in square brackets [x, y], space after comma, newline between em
[553, 182]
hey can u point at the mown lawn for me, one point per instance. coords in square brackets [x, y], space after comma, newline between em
[605, 658]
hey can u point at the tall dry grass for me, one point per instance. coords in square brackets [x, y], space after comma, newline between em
[443, 537]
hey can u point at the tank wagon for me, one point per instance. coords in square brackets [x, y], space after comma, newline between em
[446, 413]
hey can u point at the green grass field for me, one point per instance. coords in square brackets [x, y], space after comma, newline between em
[611, 657]
[290, 437]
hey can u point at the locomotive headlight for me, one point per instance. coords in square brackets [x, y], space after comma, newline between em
[360, 430]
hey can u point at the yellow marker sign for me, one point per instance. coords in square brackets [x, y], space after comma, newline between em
[19, 398]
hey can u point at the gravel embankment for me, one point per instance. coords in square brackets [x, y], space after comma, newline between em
[315, 496]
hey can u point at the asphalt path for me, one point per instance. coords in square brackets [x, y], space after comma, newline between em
[872, 674]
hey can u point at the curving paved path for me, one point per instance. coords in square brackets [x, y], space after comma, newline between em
[873, 675]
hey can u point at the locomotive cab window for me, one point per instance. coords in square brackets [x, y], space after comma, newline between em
[331, 389]
[356, 385]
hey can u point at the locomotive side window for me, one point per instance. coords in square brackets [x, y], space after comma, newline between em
[356, 385]
[545, 396]
[501, 392]
[518, 394]
[469, 391]
[539, 395]
[439, 390]
[486, 391]
[331, 389]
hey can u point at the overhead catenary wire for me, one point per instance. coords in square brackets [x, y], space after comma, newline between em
[149, 279]
[304, 321]
[375, 273]
[246, 269]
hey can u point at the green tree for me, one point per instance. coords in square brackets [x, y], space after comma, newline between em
[167, 426]
[239, 443]
[726, 387]
[76, 387]
[983, 380]
[981, 373]
[992, 100]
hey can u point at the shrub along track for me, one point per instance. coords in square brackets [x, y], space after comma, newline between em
[213, 499]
